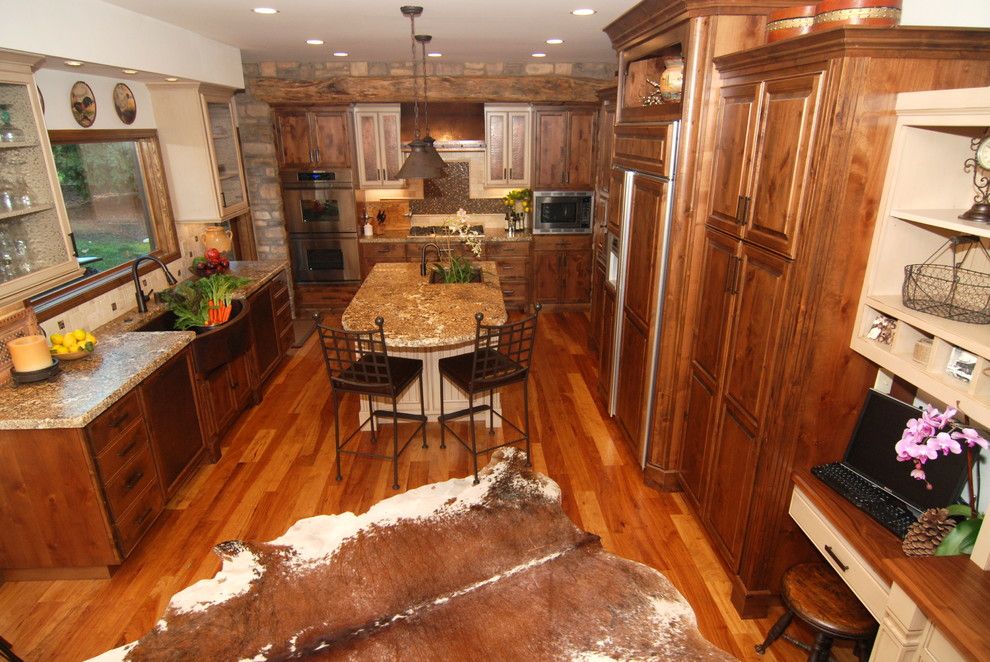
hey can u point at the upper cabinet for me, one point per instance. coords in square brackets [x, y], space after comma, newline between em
[201, 150]
[563, 147]
[507, 136]
[35, 249]
[379, 156]
[313, 138]
[603, 141]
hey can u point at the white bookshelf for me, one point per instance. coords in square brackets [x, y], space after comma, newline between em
[925, 191]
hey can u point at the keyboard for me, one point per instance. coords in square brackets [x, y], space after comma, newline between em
[891, 513]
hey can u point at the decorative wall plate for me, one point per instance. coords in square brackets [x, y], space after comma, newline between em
[83, 103]
[124, 103]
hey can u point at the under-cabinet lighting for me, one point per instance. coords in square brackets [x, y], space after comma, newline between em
[583, 12]
[171, 79]
[554, 42]
[265, 10]
[539, 54]
[129, 71]
[435, 54]
[314, 42]
[341, 54]
[74, 63]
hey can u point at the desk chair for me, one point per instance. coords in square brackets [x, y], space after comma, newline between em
[501, 357]
[358, 362]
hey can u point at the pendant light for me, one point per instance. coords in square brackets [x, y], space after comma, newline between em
[431, 151]
[423, 161]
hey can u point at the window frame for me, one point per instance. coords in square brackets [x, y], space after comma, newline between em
[74, 293]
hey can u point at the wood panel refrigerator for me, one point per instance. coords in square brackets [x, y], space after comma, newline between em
[638, 270]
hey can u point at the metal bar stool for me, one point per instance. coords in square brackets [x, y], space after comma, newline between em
[501, 357]
[817, 595]
[358, 362]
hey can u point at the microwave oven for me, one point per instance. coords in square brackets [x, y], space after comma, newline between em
[562, 211]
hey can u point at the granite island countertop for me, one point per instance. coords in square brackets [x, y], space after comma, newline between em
[85, 388]
[403, 236]
[420, 314]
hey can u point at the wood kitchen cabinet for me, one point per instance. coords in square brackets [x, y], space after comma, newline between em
[800, 131]
[508, 145]
[79, 500]
[378, 141]
[561, 268]
[512, 260]
[201, 150]
[604, 135]
[271, 329]
[563, 147]
[315, 138]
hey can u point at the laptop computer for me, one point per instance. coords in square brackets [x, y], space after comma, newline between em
[871, 477]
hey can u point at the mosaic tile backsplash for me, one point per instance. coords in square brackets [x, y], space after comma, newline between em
[447, 194]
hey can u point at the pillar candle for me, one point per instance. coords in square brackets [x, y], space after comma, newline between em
[29, 353]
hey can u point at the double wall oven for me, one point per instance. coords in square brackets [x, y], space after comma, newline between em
[321, 219]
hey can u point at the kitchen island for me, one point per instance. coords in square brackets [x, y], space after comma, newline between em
[425, 321]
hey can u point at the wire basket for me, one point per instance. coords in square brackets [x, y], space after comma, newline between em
[948, 290]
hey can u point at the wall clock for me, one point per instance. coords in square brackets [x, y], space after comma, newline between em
[979, 165]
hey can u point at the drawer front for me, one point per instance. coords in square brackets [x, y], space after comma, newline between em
[280, 291]
[643, 147]
[137, 519]
[127, 446]
[571, 242]
[113, 421]
[858, 575]
[515, 291]
[507, 249]
[384, 252]
[283, 317]
[124, 487]
[512, 268]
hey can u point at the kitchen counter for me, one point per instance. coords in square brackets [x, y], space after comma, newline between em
[419, 314]
[87, 387]
[403, 236]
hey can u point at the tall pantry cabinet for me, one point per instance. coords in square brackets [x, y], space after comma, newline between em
[799, 141]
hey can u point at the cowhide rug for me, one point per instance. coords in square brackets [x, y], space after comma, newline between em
[449, 571]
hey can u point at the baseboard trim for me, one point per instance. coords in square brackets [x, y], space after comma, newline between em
[50, 574]
[665, 480]
[751, 604]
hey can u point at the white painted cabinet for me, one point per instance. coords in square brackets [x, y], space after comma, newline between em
[508, 128]
[379, 144]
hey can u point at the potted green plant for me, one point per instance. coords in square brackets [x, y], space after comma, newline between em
[454, 268]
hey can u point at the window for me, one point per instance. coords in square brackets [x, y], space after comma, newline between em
[113, 184]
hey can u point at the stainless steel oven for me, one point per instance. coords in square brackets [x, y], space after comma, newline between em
[324, 258]
[321, 219]
[562, 211]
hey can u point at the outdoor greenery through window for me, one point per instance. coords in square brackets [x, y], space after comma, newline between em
[105, 197]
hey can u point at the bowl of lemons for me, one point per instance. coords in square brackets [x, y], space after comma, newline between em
[73, 345]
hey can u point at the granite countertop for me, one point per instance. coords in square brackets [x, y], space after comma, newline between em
[87, 387]
[402, 236]
[420, 314]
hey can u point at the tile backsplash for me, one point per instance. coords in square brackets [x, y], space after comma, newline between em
[447, 194]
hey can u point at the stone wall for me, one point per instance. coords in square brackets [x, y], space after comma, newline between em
[258, 138]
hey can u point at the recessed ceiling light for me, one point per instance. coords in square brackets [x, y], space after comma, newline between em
[171, 79]
[554, 42]
[341, 54]
[435, 54]
[129, 71]
[539, 54]
[314, 42]
[578, 12]
[73, 63]
[265, 10]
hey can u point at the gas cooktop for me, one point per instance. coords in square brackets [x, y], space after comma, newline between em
[433, 230]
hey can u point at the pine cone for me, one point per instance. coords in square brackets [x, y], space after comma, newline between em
[925, 535]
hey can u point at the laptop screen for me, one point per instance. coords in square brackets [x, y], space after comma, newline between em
[871, 453]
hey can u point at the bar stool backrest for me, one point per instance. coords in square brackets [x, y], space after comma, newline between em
[355, 358]
[502, 352]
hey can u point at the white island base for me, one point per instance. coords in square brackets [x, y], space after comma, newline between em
[454, 398]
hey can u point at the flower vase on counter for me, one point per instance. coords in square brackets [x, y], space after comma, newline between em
[217, 237]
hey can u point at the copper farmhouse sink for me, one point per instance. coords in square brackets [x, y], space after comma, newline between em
[213, 346]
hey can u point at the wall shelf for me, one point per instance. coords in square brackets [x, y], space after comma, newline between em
[947, 219]
[15, 145]
[33, 209]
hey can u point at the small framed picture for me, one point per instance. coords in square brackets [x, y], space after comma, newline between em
[961, 365]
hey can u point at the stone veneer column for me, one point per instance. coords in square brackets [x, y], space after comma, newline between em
[261, 172]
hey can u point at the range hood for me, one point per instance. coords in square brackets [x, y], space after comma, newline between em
[456, 127]
[455, 146]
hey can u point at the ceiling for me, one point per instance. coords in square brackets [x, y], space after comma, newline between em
[375, 30]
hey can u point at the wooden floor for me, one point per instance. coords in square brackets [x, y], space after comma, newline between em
[277, 467]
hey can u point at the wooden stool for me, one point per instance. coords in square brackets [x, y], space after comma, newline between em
[819, 597]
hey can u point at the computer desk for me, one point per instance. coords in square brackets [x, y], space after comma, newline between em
[929, 609]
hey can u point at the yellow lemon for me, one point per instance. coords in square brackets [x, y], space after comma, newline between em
[61, 349]
[79, 334]
[90, 338]
[56, 339]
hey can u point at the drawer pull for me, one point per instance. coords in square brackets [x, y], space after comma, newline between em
[140, 520]
[126, 450]
[133, 480]
[508, 293]
[117, 422]
[842, 566]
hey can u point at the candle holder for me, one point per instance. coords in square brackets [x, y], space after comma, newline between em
[33, 376]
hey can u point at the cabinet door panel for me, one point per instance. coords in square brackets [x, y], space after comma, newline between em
[551, 148]
[714, 302]
[605, 349]
[699, 423]
[546, 277]
[263, 327]
[645, 218]
[368, 164]
[331, 141]
[752, 342]
[293, 139]
[391, 145]
[730, 485]
[517, 144]
[496, 147]
[597, 301]
[575, 286]
[631, 384]
[734, 137]
[615, 196]
[603, 156]
[580, 150]
[782, 162]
